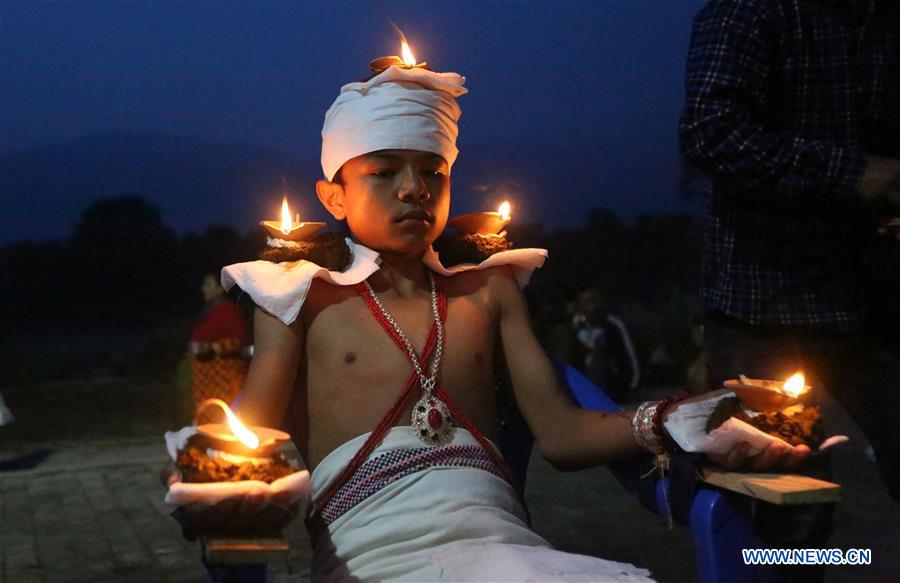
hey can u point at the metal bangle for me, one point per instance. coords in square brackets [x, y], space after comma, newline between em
[642, 427]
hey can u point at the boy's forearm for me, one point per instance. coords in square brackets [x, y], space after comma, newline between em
[583, 439]
[267, 390]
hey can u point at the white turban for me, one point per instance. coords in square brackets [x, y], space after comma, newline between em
[398, 109]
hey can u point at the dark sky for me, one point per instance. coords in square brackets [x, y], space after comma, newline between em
[589, 89]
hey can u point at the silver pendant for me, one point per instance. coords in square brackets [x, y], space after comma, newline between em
[431, 421]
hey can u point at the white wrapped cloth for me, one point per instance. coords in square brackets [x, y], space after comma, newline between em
[281, 288]
[284, 491]
[440, 524]
[686, 423]
[398, 109]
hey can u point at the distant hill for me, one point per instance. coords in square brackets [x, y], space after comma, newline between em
[196, 183]
[192, 181]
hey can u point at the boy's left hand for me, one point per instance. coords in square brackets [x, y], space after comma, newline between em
[776, 456]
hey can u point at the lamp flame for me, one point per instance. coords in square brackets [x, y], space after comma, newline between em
[240, 430]
[286, 224]
[504, 210]
[795, 386]
[408, 58]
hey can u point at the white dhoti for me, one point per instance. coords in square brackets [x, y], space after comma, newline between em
[418, 513]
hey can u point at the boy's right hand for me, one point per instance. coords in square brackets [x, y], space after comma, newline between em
[253, 513]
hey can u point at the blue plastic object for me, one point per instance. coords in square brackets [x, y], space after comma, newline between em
[720, 522]
[721, 526]
[652, 495]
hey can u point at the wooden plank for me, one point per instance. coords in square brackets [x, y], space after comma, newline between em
[775, 488]
[221, 550]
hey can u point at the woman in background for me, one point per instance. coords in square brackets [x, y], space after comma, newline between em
[218, 363]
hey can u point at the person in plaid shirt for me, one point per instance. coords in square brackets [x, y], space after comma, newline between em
[793, 111]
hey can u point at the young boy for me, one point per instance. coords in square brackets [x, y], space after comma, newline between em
[432, 501]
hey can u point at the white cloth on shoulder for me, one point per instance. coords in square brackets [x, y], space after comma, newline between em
[281, 288]
[522, 261]
[441, 524]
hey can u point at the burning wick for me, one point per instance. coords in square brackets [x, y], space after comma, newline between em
[290, 230]
[407, 61]
[408, 58]
[504, 210]
[795, 386]
[240, 430]
[286, 217]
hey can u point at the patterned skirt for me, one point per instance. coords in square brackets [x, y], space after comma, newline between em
[216, 378]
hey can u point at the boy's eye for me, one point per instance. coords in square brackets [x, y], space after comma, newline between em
[383, 172]
[432, 173]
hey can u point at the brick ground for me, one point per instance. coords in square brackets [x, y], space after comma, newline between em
[94, 513]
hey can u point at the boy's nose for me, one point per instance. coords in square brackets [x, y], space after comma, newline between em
[412, 186]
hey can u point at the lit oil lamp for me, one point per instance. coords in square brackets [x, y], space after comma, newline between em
[484, 223]
[290, 230]
[769, 395]
[406, 61]
[235, 438]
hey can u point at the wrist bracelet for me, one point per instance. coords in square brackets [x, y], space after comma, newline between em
[666, 442]
[647, 425]
[642, 427]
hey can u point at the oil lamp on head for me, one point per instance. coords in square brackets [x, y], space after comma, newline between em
[484, 223]
[235, 438]
[290, 230]
[406, 61]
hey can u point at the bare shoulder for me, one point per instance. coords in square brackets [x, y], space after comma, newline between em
[323, 295]
[502, 285]
[493, 287]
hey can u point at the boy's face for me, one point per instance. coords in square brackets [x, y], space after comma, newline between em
[393, 200]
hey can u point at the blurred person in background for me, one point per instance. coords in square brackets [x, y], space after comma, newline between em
[6, 416]
[792, 108]
[218, 351]
[608, 357]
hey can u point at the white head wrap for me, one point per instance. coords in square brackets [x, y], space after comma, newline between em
[398, 109]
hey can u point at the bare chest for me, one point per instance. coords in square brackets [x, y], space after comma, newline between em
[355, 371]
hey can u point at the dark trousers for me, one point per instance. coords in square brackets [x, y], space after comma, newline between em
[860, 372]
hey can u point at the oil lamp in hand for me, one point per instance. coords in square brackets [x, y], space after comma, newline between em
[235, 438]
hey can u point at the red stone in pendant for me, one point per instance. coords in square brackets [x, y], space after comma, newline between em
[435, 419]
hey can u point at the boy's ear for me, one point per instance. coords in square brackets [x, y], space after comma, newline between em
[331, 194]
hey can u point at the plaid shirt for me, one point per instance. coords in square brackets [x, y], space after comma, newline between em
[784, 100]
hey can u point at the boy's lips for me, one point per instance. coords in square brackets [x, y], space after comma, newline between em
[417, 215]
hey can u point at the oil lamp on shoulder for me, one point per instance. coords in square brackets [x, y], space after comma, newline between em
[290, 230]
[484, 223]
